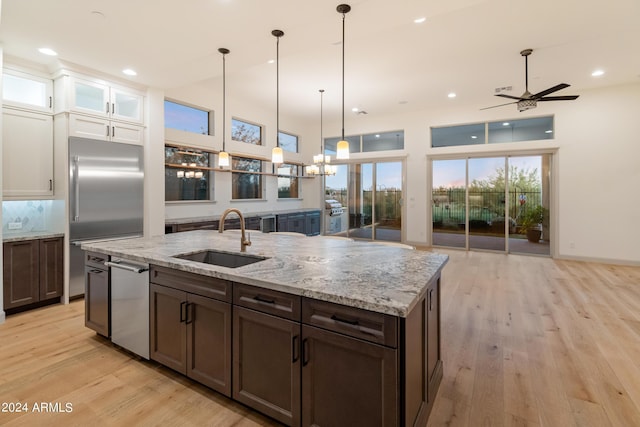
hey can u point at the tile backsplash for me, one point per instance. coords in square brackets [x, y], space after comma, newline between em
[32, 215]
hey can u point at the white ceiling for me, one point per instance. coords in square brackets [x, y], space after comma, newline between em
[393, 65]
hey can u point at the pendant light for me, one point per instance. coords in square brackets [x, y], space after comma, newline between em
[277, 156]
[342, 149]
[223, 156]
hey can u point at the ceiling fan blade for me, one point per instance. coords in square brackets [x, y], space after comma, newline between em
[509, 96]
[501, 105]
[550, 90]
[559, 98]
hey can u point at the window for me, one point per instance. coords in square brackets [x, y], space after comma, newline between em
[534, 129]
[185, 118]
[186, 174]
[379, 141]
[287, 181]
[288, 142]
[246, 185]
[246, 132]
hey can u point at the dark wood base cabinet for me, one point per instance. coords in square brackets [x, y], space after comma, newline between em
[32, 273]
[97, 293]
[298, 360]
[191, 329]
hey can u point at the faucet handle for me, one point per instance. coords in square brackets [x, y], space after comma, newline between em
[248, 242]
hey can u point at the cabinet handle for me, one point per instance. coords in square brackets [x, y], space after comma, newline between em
[189, 313]
[430, 299]
[96, 271]
[348, 322]
[96, 259]
[108, 130]
[107, 107]
[113, 131]
[113, 108]
[294, 349]
[264, 300]
[50, 101]
[183, 311]
[305, 352]
[50, 185]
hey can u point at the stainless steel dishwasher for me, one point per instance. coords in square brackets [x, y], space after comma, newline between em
[130, 305]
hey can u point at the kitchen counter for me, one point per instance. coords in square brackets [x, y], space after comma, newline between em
[365, 275]
[29, 235]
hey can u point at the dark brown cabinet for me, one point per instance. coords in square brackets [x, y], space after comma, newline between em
[266, 352]
[97, 294]
[32, 272]
[191, 333]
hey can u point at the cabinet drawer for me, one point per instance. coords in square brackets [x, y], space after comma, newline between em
[189, 282]
[95, 259]
[355, 322]
[272, 302]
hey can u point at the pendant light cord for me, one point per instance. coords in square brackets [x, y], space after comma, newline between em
[321, 137]
[343, 19]
[278, 91]
[224, 100]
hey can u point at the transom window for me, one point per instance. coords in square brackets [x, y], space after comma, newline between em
[288, 142]
[249, 133]
[187, 118]
[378, 141]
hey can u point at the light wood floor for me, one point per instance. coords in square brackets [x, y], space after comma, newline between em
[527, 341]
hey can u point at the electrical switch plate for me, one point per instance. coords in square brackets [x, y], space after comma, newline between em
[15, 226]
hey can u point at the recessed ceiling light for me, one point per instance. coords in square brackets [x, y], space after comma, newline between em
[47, 51]
[597, 73]
[420, 20]
[505, 124]
[452, 95]
[129, 72]
[377, 135]
[548, 131]
[271, 61]
[355, 109]
[474, 137]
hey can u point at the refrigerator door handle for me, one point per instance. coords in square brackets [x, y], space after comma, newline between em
[76, 189]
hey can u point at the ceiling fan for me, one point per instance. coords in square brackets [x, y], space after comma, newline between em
[528, 100]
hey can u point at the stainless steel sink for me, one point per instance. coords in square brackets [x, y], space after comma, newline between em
[224, 259]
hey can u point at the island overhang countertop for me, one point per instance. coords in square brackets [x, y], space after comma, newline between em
[359, 274]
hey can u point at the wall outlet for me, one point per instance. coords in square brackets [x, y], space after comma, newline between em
[15, 226]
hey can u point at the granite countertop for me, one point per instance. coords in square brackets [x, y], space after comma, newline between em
[359, 274]
[189, 220]
[29, 235]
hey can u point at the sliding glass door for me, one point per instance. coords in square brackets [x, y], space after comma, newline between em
[492, 203]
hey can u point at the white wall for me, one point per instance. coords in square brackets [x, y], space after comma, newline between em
[2, 314]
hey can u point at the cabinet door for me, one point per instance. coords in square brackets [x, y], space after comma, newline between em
[266, 364]
[20, 273]
[296, 223]
[89, 127]
[433, 338]
[167, 311]
[126, 133]
[209, 342]
[51, 268]
[27, 154]
[313, 223]
[90, 97]
[27, 91]
[346, 381]
[126, 105]
[97, 300]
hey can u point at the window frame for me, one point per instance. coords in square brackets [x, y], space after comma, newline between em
[297, 141]
[210, 117]
[237, 173]
[293, 178]
[207, 170]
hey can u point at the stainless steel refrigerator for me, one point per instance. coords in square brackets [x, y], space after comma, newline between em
[106, 188]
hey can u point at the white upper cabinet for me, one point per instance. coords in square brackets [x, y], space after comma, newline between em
[103, 100]
[27, 91]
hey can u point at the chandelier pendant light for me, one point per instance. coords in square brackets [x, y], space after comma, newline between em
[321, 161]
[277, 156]
[342, 148]
[223, 156]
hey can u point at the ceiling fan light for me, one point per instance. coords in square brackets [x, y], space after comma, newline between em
[526, 104]
[342, 150]
[277, 156]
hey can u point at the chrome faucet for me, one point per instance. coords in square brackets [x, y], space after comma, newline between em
[243, 240]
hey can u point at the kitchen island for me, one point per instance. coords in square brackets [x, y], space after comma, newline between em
[314, 331]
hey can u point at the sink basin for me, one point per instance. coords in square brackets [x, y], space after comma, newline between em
[224, 259]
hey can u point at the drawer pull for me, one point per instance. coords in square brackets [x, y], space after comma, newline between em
[305, 352]
[264, 300]
[348, 322]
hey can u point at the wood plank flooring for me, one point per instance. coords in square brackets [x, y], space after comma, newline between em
[527, 341]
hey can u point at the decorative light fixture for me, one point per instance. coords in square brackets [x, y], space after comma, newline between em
[223, 156]
[277, 156]
[342, 149]
[321, 162]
